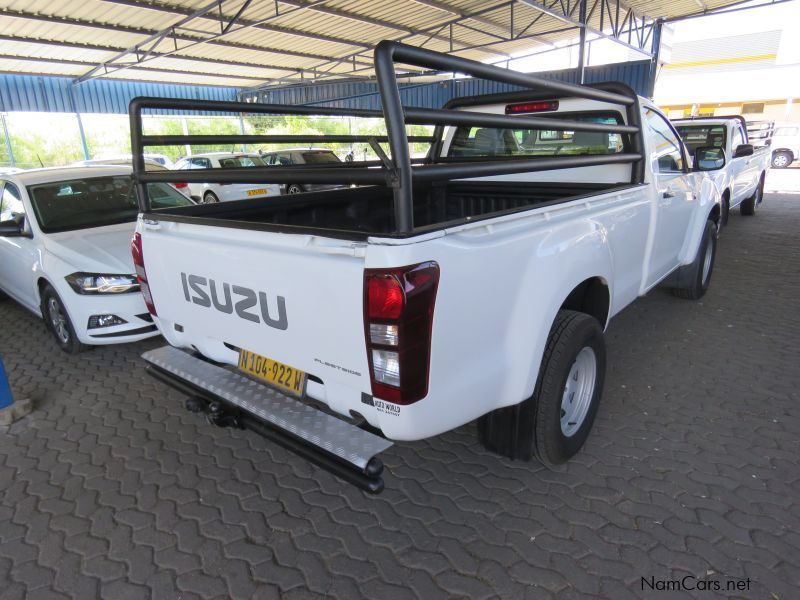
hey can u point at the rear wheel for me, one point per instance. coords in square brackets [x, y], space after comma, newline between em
[294, 188]
[748, 207]
[781, 159]
[210, 198]
[555, 421]
[58, 322]
[692, 281]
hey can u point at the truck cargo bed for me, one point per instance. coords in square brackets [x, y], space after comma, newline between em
[365, 211]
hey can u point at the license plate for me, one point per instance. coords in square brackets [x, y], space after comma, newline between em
[260, 192]
[288, 379]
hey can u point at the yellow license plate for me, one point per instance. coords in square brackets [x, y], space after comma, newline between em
[261, 192]
[283, 376]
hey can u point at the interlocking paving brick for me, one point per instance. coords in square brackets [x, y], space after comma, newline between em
[111, 489]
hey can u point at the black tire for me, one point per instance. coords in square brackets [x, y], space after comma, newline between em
[748, 207]
[294, 188]
[781, 159]
[692, 281]
[60, 325]
[534, 427]
[210, 198]
[726, 211]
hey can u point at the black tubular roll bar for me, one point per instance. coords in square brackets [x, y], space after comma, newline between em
[399, 173]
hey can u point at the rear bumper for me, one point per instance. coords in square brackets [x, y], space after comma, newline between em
[342, 448]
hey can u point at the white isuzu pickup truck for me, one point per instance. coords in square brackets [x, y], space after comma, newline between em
[740, 173]
[476, 284]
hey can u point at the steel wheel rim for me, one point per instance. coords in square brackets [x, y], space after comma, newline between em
[58, 320]
[578, 391]
[707, 261]
[780, 161]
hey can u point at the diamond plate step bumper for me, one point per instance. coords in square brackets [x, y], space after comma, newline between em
[346, 450]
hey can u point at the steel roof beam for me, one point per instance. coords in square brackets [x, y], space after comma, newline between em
[371, 20]
[180, 10]
[149, 32]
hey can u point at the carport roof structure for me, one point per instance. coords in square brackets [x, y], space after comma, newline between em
[251, 43]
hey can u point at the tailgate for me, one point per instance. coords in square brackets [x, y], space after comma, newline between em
[294, 298]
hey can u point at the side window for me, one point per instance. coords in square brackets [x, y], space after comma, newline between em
[201, 163]
[11, 205]
[738, 137]
[666, 153]
[284, 159]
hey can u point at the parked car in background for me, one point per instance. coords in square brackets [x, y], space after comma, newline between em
[303, 156]
[785, 145]
[207, 193]
[65, 237]
[739, 175]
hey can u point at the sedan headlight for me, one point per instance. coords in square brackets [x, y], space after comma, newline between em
[94, 283]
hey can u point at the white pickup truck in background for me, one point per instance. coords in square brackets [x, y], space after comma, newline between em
[477, 285]
[741, 173]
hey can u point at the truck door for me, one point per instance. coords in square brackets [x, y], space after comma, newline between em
[744, 167]
[674, 200]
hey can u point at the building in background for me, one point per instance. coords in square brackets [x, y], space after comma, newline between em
[744, 62]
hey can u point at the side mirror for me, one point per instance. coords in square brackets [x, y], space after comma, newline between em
[11, 228]
[743, 150]
[708, 158]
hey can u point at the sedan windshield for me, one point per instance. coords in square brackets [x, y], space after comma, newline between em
[95, 202]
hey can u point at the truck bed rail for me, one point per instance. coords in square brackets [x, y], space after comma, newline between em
[400, 173]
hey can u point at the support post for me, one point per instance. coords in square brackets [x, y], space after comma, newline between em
[241, 130]
[187, 148]
[582, 42]
[83, 137]
[9, 149]
[656, 54]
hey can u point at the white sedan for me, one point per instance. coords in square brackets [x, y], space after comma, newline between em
[65, 251]
[223, 192]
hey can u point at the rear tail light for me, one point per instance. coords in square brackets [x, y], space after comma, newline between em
[398, 320]
[180, 186]
[141, 274]
[531, 107]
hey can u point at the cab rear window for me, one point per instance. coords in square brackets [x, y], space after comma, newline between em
[492, 142]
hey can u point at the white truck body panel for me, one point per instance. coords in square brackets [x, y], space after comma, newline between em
[502, 281]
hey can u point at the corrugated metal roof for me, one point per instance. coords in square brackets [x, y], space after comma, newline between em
[59, 94]
[284, 40]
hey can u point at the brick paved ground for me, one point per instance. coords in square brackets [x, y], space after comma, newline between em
[110, 489]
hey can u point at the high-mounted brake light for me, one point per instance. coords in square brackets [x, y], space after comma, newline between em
[141, 273]
[398, 320]
[180, 186]
[531, 107]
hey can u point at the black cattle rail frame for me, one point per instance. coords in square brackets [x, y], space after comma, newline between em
[397, 172]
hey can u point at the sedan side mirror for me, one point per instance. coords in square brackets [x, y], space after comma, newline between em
[743, 150]
[708, 158]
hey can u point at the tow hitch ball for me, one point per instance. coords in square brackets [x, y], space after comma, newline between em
[216, 412]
